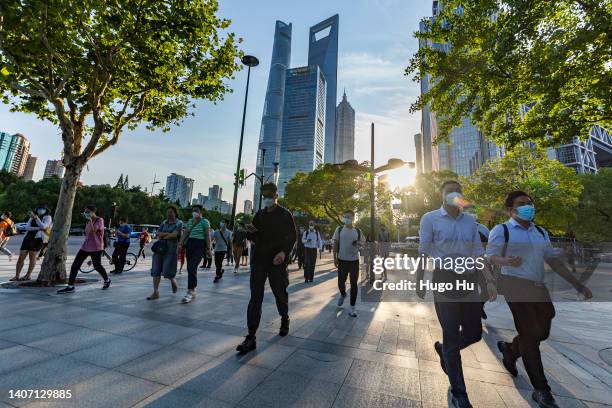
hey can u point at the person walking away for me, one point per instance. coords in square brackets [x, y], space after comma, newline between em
[144, 238]
[37, 232]
[450, 234]
[223, 239]
[347, 242]
[165, 250]
[92, 247]
[195, 239]
[311, 241]
[274, 234]
[122, 244]
[6, 232]
[521, 247]
[238, 245]
[246, 252]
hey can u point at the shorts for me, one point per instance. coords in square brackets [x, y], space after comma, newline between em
[31, 243]
[164, 264]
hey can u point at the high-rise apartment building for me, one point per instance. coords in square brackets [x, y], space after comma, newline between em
[303, 142]
[345, 131]
[54, 168]
[215, 192]
[248, 207]
[30, 167]
[323, 52]
[179, 188]
[272, 119]
[14, 150]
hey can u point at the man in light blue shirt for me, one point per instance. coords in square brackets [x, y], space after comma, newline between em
[448, 233]
[521, 247]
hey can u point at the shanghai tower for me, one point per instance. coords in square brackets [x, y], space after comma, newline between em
[272, 119]
[323, 51]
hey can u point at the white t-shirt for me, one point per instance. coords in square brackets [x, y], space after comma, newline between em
[220, 245]
[347, 251]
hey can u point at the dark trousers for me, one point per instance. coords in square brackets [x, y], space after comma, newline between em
[119, 253]
[81, 256]
[532, 321]
[141, 252]
[194, 252]
[461, 327]
[219, 257]
[348, 269]
[310, 260]
[279, 281]
[207, 262]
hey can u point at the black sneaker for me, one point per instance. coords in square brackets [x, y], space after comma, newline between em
[461, 402]
[284, 329]
[247, 345]
[106, 284]
[438, 348]
[67, 289]
[217, 279]
[544, 399]
[507, 358]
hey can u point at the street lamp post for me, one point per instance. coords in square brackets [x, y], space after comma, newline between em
[263, 169]
[372, 190]
[249, 61]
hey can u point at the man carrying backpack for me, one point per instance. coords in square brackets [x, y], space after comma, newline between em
[521, 247]
[311, 239]
[347, 241]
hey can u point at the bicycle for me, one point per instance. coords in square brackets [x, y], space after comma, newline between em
[130, 262]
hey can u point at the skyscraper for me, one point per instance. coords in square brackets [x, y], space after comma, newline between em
[14, 150]
[345, 131]
[248, 207]
[54, 168]
[179, 188]
[323, 52]
[303, 141]
[215, 192]
[271, 121]
[418, 147]
[30, 167]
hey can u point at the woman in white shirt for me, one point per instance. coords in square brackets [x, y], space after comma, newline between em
[38, 231]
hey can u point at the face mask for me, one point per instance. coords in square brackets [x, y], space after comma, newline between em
[3, 217]
[453, 198]
[311, 227]
[347, 221]
[195, 214]
[87, 215]
[268, 202]
[221, 224]
[526, 212]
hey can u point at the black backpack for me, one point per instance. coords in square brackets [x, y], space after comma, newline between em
[337, 243]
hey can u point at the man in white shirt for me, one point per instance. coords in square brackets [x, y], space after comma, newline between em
[311, 238]
[347, 241]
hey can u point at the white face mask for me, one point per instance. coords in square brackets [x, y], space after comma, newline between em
[87, 215]
[268, 202]
[41, 211]
[195, 214]
[311, 227]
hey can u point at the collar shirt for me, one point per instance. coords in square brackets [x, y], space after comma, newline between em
[314, 238]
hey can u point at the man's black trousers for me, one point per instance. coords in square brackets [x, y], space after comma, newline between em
[310, 261]
[279, 281]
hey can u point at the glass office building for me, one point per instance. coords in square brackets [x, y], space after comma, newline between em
[272, 119]
[323, 52]
[303, 140]
[14, 150]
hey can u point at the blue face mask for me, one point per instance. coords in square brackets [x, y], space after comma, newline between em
[526, 212]
[268, 202]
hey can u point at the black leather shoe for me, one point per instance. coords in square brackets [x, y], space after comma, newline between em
[106, 284]
[461, 402]
[544, 399]
[507, 358]
[284, 329]
[438, 347]
[247, 345]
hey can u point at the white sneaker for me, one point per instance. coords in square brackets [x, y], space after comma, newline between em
[353, 313]
[341, 300]
[188, 297]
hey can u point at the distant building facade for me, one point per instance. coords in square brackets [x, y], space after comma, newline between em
[215, 192]
[213, 204]
[30, 168]
[303, 141]
[14, 151]
[418, 147]
[248, 207]
[179, 188]
[54, 168]
[345, 131]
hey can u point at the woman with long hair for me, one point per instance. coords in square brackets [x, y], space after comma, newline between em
[38, 230]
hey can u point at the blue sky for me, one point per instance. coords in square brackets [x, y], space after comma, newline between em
[375, 45]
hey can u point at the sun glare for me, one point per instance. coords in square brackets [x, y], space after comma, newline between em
[400, 178]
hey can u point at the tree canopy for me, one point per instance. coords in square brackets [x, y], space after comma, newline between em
[595, 208]
[554, 188]
[521, 70]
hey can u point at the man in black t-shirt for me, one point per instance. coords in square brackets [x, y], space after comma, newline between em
[274, 234]
[238, 244]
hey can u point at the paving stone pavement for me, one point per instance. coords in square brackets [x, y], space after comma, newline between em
[115, 349]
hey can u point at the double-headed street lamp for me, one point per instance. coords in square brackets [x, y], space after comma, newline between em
[249, 61]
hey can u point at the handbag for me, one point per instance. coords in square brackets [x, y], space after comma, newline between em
[160, 247]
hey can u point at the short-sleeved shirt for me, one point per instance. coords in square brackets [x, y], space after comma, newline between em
[346, 250]
[169, 228]
[529, 244]
[125, 229]
[94, 235]
[198, 231]
[220, 245]
[4, 226]
[443, 236]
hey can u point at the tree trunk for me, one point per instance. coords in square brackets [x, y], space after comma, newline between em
[53, 269]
